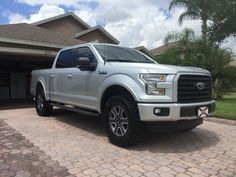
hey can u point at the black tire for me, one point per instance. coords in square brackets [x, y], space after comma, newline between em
[134, 128]
[41, 105]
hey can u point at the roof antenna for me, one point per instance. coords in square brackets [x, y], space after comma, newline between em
[104, 48]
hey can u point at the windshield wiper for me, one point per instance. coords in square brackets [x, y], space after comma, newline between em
[120, 60]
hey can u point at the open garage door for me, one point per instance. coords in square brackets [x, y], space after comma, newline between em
[18, 86]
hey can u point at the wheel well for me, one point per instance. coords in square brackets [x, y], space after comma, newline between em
[39, 86]
[114, 90]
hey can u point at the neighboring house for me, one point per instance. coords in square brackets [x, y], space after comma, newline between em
[162, 49]
[233, 63]
[157, 52]
[24, 47]
[145, 51]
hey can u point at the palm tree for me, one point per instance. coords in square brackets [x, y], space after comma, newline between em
[186, 35]
[178, 47]
[184, 38]
[194, 9]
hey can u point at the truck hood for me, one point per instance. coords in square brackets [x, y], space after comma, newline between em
[158, 68]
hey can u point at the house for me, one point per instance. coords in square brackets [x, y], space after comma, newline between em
[162, 49]
[145, 51]
[25, 47]
[233, 63]
[157, 52]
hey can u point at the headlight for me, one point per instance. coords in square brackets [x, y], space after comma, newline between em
[150, 81]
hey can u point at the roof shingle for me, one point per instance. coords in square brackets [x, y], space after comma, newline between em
[30, 32]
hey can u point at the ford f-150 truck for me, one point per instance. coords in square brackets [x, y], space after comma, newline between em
[129, 90]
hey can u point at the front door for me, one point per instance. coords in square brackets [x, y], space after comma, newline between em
[80, 87]
[18, 86]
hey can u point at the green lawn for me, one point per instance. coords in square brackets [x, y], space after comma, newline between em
[226, 108]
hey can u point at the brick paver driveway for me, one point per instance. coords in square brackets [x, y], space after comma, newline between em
[78, 144]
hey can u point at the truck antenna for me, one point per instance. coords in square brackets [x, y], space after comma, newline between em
[104, 48]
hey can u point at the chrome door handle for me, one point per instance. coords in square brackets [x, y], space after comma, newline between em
[52, 76]
[69, 76]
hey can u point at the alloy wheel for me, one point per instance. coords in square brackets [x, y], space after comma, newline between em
[118, 121]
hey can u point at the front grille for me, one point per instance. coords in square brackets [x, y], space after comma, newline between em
[189, 92]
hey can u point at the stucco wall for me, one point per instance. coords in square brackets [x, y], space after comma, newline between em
[66, 26]
[233, 63]
[95, 36]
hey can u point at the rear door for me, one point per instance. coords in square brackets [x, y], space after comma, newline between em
[60, 75]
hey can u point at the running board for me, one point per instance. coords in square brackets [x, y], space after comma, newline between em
[76, 109]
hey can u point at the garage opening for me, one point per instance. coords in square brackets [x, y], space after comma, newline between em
[15, 78]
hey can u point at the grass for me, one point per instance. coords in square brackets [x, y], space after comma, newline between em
[226, 108]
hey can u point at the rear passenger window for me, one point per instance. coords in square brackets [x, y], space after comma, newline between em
[70, 58]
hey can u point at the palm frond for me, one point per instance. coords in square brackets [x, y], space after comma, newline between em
[171, 37]
[188, 34]
[178, 3]
[188, 15]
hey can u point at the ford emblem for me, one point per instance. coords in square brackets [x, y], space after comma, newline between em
[200, 86]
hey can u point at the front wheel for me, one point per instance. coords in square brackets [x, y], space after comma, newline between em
[42, 106]
[121, 121]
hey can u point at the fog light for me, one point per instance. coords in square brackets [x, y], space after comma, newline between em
[161, 111]
[157, 111]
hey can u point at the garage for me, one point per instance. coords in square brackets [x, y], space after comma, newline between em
[25, 47]
[15, 74]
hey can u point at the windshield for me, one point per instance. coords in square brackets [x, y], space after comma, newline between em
[121, 54]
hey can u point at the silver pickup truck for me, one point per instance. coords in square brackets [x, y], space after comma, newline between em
[129, 90]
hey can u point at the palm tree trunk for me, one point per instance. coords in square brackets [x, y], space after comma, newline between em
[204, 30]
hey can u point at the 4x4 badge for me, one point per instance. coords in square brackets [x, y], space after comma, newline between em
[102, 72]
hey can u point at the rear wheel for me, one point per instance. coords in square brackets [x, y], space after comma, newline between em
[42, 106]
[121, 121]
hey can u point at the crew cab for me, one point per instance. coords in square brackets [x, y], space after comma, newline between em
[129, 90]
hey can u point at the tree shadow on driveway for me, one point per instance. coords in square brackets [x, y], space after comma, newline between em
[171, 142]
[180, 142]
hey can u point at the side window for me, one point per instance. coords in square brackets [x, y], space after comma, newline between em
[70, 58]
[67, 59]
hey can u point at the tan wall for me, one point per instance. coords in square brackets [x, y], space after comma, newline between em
[233, 63]
[96, 36]
[66, 26]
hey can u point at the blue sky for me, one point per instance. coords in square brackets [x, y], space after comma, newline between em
[132, 22]
[9, 6]
[13, 6]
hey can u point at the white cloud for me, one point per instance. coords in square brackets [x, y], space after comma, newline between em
[45, 11]
[67, 3]
[16, 18]
[136, 22]
[230, 43]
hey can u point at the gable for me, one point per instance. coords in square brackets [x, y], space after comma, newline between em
[67, 26]
[145, 51]
[96, 36]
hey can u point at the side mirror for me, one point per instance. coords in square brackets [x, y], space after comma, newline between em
[84, 63]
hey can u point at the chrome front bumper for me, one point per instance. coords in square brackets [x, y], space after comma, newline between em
[176, 111]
